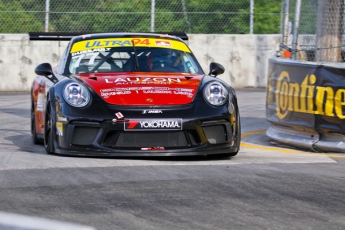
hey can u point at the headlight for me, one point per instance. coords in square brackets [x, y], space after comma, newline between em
[76, 95]
[215, 93]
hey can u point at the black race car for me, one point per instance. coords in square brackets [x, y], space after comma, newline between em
[133, 94]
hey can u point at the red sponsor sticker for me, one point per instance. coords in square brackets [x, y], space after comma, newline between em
[153, 148]
[162, 43]
[119, 115]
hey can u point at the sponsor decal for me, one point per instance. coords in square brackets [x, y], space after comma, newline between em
[119, 115]
[59, 128]
[186, 93]
[146, 90]
[117, 42]
[60, 118]
[153, 124]
[90, 51]
[155, 111]
[153, 148]
[127, 42]
[115, 93]
[41, 102]
[305, 97]
[147, 80]
[163, 43]
[157, 91]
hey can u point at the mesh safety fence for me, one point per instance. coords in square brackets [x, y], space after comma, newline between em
[320, 29]
[190, 16]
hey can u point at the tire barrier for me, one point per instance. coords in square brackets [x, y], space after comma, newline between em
[305, 104]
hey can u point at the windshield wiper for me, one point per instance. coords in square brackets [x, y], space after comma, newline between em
[135, 58]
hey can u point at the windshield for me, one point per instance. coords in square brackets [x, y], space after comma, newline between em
[95, 56]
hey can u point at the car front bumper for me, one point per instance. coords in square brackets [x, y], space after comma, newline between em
[124, 131]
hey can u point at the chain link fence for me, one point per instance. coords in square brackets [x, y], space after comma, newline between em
[190, 16]
[312, 30]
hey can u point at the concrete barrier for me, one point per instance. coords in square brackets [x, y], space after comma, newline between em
[305, 104]
[245, 57]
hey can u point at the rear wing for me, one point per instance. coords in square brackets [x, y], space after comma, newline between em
[52, 36]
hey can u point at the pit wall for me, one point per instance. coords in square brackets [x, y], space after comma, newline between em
[245, 57]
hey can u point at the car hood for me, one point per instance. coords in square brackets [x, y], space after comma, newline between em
[143, 89]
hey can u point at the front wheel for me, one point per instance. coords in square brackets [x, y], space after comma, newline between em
[238, 143]
[48, 131]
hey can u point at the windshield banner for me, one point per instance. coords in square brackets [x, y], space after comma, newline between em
[98, 44]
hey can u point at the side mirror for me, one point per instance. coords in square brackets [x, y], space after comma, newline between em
[216, 69]
[45, 69]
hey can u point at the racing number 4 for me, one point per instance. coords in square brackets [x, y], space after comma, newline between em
[137, 41]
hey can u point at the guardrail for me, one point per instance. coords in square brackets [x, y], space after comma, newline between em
[305, 104]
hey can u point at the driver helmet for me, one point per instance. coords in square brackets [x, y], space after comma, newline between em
[161, 57]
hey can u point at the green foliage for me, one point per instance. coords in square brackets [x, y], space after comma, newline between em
[268, 14]
[191, 16]
[15, 20]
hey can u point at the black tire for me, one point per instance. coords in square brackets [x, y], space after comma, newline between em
[238, 135]
[48, 131]
[34, 137]
[238, 140]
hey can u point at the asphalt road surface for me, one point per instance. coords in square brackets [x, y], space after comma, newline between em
[266, 186]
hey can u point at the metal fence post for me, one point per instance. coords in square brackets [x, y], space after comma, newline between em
[295, 29]
[286, 22]
[251, 26]
[185, 15]
[153, 15]
[46, 25]
[330, 18]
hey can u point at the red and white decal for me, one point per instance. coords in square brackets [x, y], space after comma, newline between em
[146, 90]
[151, 111]
[119, 115]
[41, 102]
[146, 80]
[163, 43]
[154, 124]
[153, 148]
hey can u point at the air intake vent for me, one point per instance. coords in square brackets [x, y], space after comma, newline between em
[215, 134]
[151, 139]
[84, 135]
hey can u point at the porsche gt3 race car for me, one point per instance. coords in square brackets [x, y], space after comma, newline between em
[133, 94]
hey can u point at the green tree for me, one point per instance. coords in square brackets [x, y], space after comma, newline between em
[90, 16]
[267, 16]
[15, 20]
[219, 16]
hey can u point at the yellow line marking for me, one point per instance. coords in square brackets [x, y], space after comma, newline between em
[253, 133]
[282, 150]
